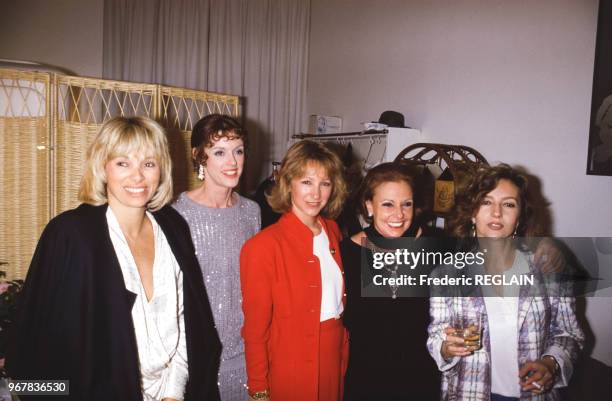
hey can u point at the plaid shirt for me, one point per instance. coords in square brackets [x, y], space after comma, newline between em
[547, 325]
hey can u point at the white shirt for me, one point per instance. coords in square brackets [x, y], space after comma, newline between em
[159, 324]
[331, 279]
[502, 313]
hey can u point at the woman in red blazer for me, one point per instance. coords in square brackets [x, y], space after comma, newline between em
[293, 287]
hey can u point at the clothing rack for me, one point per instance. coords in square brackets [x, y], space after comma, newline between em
[368, 147]
[371, 146]
[344, 135]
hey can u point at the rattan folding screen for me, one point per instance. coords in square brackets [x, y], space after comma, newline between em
[46, 123]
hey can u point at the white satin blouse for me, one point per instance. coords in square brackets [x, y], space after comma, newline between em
[159, 323]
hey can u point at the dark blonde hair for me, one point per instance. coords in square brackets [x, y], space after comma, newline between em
[294, 165]
[382, 173]
[210, 129]
[121, 136]
[486, 179]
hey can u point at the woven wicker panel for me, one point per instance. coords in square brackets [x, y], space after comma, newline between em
[46, 123]
[24, 166]
[95, 101]
[182, 171]
[24, 198]
[72, 140]
[23, 93]
[182, 108]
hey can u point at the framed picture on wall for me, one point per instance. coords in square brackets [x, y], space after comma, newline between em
[600, 134]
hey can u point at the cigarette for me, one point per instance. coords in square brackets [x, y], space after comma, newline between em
[538, 385]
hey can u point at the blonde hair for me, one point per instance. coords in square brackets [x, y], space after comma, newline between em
[121, 136]
[294, 165]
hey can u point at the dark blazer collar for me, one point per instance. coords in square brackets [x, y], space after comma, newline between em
[166, 218]
[98, 214]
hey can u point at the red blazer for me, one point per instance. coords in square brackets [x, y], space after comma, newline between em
[281, 300]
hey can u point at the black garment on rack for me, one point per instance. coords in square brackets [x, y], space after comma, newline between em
[347, 220]
[268, 216]
[388, 355]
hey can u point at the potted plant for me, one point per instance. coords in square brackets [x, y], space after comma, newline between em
[9, 292]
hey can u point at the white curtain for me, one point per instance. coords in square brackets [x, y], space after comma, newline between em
[257, 49]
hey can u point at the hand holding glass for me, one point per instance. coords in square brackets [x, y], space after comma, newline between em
[471, 336]
[462, 338]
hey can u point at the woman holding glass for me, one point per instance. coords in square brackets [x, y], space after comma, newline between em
[220, 221]
[292, 284]
[387, 332]
[525, 339]
[114, 301]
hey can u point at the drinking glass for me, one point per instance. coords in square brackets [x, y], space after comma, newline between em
[470, 330]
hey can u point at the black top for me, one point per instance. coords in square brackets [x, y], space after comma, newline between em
[74, 319]
[268, 216]
[388, 358]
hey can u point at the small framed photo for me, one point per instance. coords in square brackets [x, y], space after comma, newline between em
[600, 133]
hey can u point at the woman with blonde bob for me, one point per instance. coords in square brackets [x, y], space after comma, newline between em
[292, 284]
[114, 300]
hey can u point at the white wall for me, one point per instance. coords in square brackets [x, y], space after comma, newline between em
[64, 33]
[512, 79]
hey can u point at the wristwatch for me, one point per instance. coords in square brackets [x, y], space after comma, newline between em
[259, 395]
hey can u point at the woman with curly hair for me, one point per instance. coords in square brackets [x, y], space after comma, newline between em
[529, 335]
[220, 221]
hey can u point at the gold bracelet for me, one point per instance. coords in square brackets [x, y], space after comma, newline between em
[556, 367]
[259, 395]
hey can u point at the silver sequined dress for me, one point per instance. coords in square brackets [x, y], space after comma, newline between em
[218, 235]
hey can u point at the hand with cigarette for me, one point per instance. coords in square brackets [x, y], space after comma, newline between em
[537, 376]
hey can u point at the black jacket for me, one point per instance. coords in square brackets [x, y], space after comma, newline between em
[74, 319]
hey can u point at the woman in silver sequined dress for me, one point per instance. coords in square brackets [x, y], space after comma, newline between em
[220, 221]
